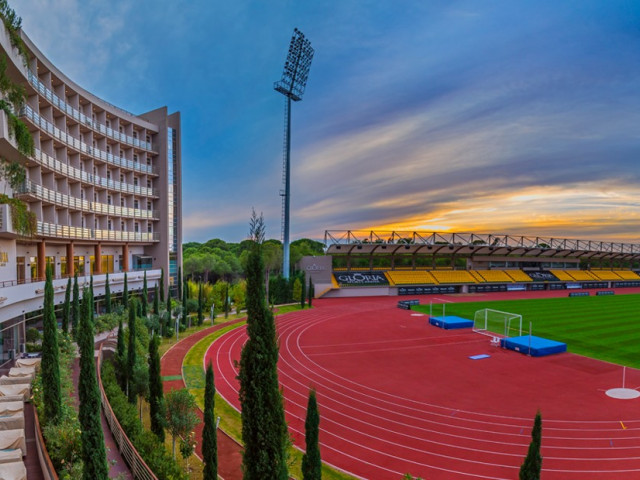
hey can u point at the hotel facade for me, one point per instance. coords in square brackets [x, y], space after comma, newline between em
[105, 188]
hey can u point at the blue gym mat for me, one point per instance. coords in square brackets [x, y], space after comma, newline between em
[479, 357]
[539, 346]
[449, 322]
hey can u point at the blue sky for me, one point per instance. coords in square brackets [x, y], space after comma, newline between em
[493, 117]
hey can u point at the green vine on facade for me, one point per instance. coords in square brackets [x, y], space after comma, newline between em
[13, 24]
[24, 222]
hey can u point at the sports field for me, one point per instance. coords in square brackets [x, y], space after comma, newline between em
[602, 327]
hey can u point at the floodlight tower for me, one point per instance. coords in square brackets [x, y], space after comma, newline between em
[291, 85]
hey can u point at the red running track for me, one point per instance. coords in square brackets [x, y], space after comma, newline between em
[399, 396]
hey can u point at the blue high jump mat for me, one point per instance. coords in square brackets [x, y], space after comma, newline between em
[534, 346]
[449, 322]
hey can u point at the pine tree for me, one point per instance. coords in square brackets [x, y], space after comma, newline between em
[125, 292]
[156, 301]
[145, 296]
[200, 305]
[311, 463]
[532, 466]
[209, 434]
[162, 285]
[94, 454]
[264, 431]
[66, 309]
[107, 295]
[75, 306]
[131, 350]
[155, 390]
[52, 397]
[311, 292]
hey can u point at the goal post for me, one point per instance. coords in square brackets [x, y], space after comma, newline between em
[492, 322]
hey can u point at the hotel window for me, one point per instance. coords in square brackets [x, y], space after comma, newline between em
[135, 134]
[135, 157]
[108, 124]
[148, 183]
[149, 206]
[109, 200]
[78, 264]
[136, 204]
[33, 264]
[149, 228]
[148, 139]
[135, 181]
[95, 197]
[121, 201]
[63, 266]
[109, 225]
[108, 174]
[121, 129]
[95, 223]
[108, 149]
[137, 227]
[121, 178]
[122, 227]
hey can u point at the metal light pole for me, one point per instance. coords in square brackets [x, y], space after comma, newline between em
[291, 85]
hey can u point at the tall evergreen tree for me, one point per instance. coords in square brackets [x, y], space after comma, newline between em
[107, 295]
[161, 285]
[200, 304]
[120, 354]
[94, 454]
[209, 434]
[264, 431]
[75, 306]
[532, 466]
[155, 390]
[226, 300]
[125, 292]
[184, 304]
[66, 309]
[131, 350]
[179, 283]
[169, 313]
[52, 397]
[145, 296]
[311, 291]
[93, 301]
[156, 301]
[311, 462]
[303, 292]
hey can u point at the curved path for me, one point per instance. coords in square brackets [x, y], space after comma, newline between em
[396, 396]
[229, 452]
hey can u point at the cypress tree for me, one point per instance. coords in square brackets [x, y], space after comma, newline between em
[156, 301]
[303, 292]
[200, 305]
[162, 285]
[131, 351]
[155, 390]
[93, 308]
[532, 465]
[264, 431]
[179, 283]
[209, 434]
[52, 397]
[66, 309]
[311, 462]
[120, 354]
[226, 301]
[311, 292]
[125, 292]
[145, 295]
[168, 313]
[184, 304]
[107, 295]
[94, 454]
[75, 306]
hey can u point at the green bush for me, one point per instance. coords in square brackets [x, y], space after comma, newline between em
[108, 321]
[63, 443]
[33, 335]
[126, 412]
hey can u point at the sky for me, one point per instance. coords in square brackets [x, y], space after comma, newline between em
[503, 116]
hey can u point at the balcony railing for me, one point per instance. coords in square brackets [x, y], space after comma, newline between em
[80, 117]
[28, 188]
[73, 142]
[79, 233]
[77, 174]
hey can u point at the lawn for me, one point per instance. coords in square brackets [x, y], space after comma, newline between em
[602, 327]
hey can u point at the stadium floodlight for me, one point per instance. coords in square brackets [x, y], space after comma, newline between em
[291, 85]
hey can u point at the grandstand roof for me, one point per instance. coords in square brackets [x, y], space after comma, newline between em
[417, 242]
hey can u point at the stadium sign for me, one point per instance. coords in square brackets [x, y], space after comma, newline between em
[361, 278]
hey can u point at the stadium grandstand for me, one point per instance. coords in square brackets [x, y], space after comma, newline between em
[367, 263]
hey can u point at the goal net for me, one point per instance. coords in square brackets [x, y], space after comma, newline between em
[491, 322]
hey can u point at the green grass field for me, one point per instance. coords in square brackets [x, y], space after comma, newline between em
[603, 327]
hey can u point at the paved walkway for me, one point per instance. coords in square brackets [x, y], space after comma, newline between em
[229, 452]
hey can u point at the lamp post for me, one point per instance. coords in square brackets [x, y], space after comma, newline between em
[291, 85]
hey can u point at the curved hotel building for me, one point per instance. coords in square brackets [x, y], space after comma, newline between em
[105, 188]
